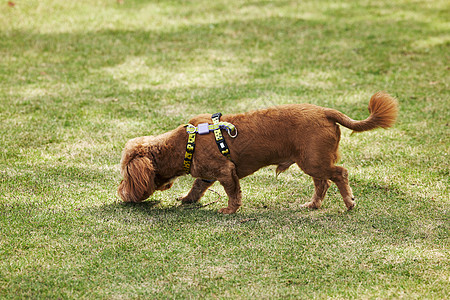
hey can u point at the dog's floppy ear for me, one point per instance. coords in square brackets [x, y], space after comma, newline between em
[138, 179]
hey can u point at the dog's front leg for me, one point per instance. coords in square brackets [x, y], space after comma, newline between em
[197, 191]
[233, 189]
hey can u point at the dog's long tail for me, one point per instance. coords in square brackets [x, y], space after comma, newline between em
[383, 110]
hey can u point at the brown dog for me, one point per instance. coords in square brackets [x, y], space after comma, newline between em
[304, 134]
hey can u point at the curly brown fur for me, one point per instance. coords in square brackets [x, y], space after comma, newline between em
[305, 134]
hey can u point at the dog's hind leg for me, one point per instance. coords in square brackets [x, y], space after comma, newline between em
[197, 191]
[321, 174]
[321, 187]
[340, 177]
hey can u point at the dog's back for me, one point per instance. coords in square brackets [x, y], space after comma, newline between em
[275, 136]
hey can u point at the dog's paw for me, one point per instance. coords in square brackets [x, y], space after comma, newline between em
[313, 205]
[227, 210]
[350, 202]
[351, 205]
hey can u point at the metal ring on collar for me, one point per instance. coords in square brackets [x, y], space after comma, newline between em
[232, 135]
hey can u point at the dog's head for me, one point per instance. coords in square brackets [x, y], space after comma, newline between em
[140, 175]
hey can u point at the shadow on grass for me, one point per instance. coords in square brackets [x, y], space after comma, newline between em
[382, 209]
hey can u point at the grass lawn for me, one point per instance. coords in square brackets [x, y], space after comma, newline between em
[80, 78]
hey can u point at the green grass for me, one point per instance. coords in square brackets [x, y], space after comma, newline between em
[80, 78]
